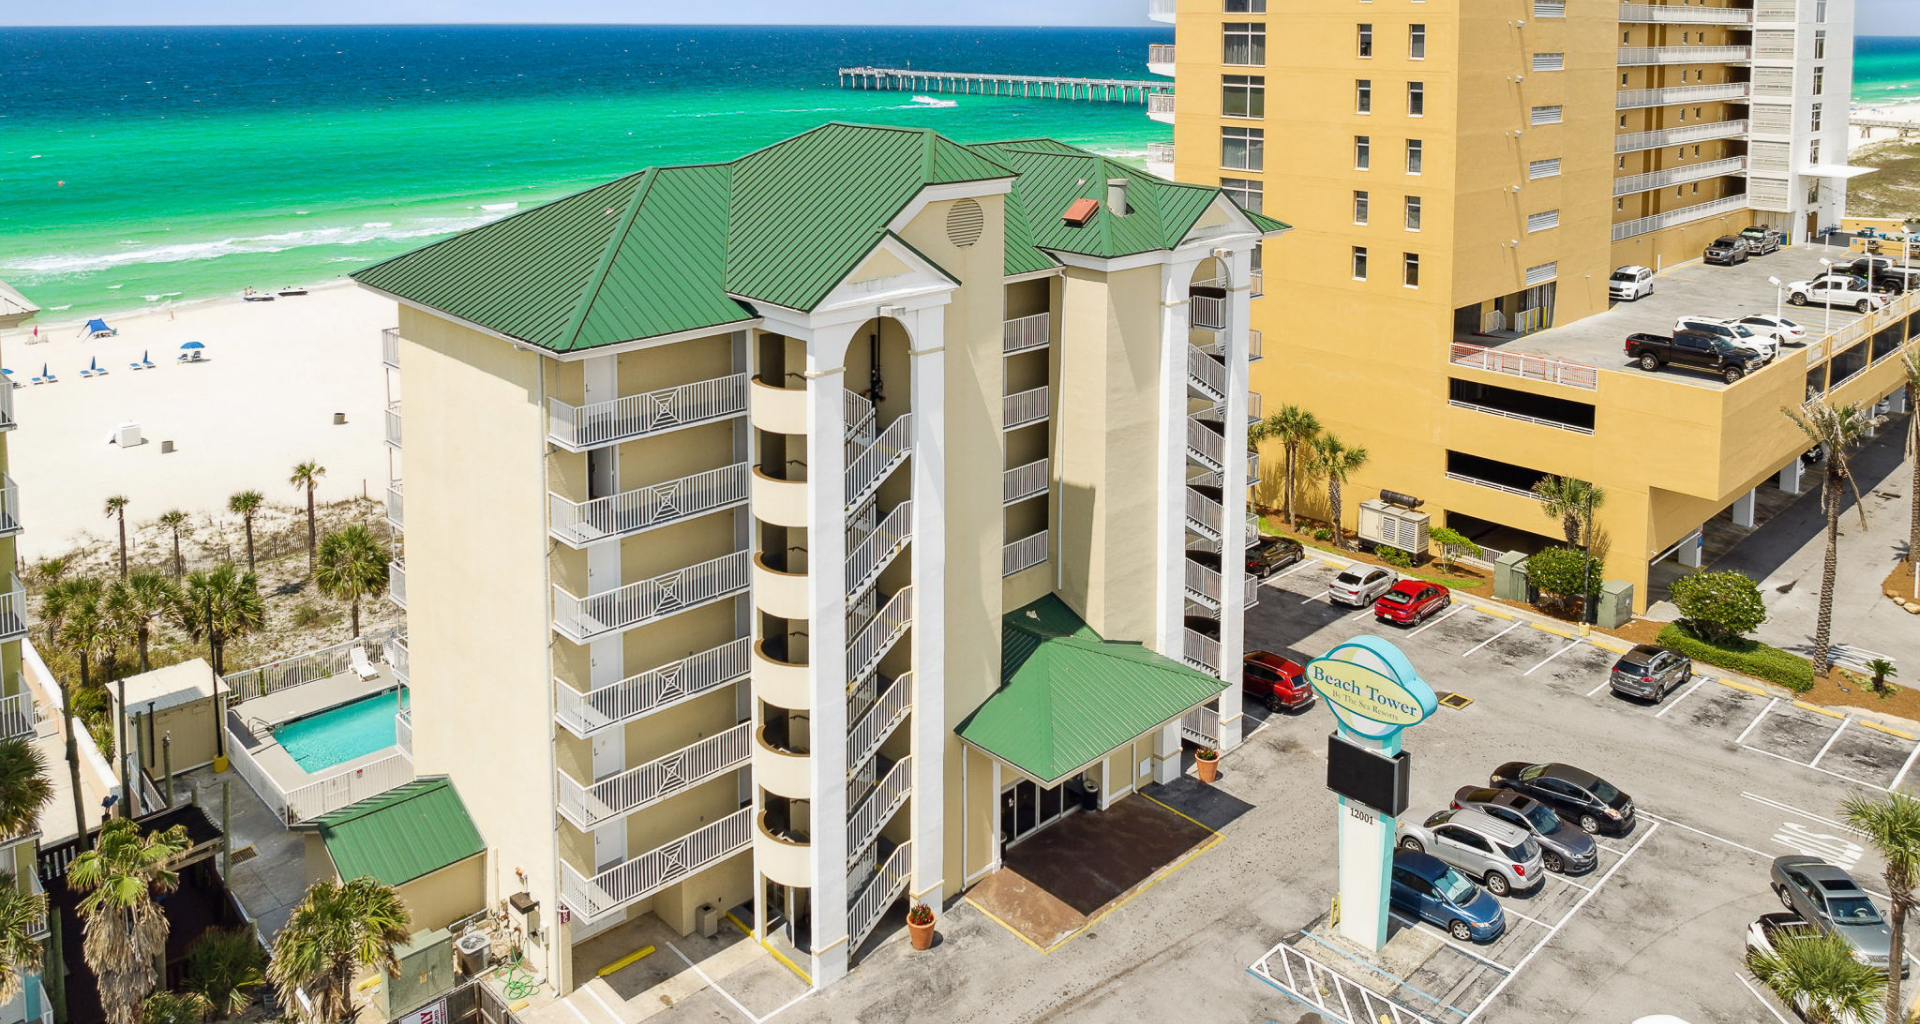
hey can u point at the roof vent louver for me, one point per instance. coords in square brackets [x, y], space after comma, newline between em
[1080, 212]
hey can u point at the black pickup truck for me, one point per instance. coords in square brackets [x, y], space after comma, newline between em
[1887, 275]
[1694, 348]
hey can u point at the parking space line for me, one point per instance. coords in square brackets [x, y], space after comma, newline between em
[1570, 645]
[1496, 636]
[1823, 771]
[1604, 683]
[1709, 835]
[1429, 624]
[1419, 925]
[1569, 881]
[1789, 808]
[1815, 763]
[1698, 683]
[1895, 784]
[1742, 738]
[1760, 998]
[1609, 849]
[1530, 920]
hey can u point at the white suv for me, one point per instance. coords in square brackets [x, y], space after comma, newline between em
[1733, 331]
[1630, 283]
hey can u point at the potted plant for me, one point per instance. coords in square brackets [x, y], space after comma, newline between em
[920, 926]
[1206, 763]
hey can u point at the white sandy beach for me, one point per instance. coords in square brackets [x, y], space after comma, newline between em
[261, 399]
[1859, 138]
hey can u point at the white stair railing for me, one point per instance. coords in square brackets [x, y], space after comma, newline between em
[1203, 584]
[583, 618]
[873, 643]
[644, 508]
[871, 904]
[636, 879]
[650, 691]
[879, 548]
[1204, 514]
[1202, 726]
[859, 419]
[1207, 447]
[1202, 652]
[1206, 374]
[879, 721]
[873, 810]
[17, 716]
[586, 805]
[866, 471]
[655, 412]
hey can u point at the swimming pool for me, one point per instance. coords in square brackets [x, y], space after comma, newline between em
[324, 739]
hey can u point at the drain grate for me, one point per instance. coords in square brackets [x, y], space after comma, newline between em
[244, 854]
[1455, 701]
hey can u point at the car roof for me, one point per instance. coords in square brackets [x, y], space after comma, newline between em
[1644, 651]
[1631, 268]
[1568, 773]
[1426, 865]
[1409, 586]
[1275, 660]
[1477, 820]
[1497, 797]
[1830, 878]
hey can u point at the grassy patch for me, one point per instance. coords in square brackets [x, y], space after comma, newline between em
[1750, 657]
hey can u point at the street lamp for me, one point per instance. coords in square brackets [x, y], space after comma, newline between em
[1826, 326]
[1587, 609]
[1778, 291]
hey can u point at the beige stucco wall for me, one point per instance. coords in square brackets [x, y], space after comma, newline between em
[191, 727]
[439, 898]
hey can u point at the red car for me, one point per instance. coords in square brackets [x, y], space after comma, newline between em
[1411, 601]
[1274, 681]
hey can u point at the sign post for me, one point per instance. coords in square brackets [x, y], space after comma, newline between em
[1374, 693]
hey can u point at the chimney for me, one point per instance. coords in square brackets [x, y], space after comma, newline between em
[1117, 196]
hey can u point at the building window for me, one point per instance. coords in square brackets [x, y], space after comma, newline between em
[1246, 6]
[1619, 204]
[1623, 122]
[1362, 152]
[1413, 213]
[1813, 151]
[1246, 43]
[1359, 263]
[1820, 44]
[1819, 80]
[1359, 207]
[1548, 168]
[1549, 61]
[1366, 40]
[1549, 8]
[1416, 99]
[1620, 163]
[1417, 42]
[1410, 270]
[1244, 191]
[1553, 115]
[1696, 151]
[1820, 10]
[1243, 96]
[1243, 149]
[1363, 95]
[1543, 221]
[1816, 117]
[1414, 151]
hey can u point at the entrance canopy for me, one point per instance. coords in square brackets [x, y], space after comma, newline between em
[1068, 698]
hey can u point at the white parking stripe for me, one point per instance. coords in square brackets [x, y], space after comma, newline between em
[1605, 681]
[1447, 938]
[1702, 681]
[1510, 912]
[1305, 563]
[604, 1005]
[1571, 644]
[1895, 784]
[1809, 815]
[1760, 998]
[1569, 881]
[1742, 738]
[1815, 763]
[568, 1003]
[1430, 623]
[1516, 625]
[1709, 835]
[1823, 771]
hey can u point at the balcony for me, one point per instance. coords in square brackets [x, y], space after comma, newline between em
[1253, 408]
[397, 658]
[1639, 56]
[580, 427]
[868, 469]
[17, 717]
[1206, 375]
[874, 808]
[644, 693]
[29, 1003]
[878, 549]
[1633, 99]
[9, 497]
[1024, 334]
[1491, 485]
[1249, 591]
[1024, 409]
[588, 805]
[403, 732]
[1253, 528]
[1678, 175]
[641, 877]
[396, 507]
[878, 636]
[393, 424]
[780, 585]
[581, 619]
[1636, 141]
[1674, 14]
[781, 766]
[1670, 218]
[1024, 553]
[1160, 59]
[783, 854]
[397, 583]
[578, 524]
[889, 883]
[879, 720]
[390, 346]
[1207, 311]
[777, 409]
[1023, 482]
[1161, 11]
[1527, 365]
[1202, 652]
[1160, 159]
[1253, 466]
[1160, 107]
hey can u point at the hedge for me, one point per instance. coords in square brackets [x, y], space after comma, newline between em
[1748, 656]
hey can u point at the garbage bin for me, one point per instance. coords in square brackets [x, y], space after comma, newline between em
[1089, 794]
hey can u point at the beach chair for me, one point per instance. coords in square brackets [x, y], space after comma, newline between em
[146, 363]
[184, 356]
[85, 372]
[360, 664]
[39, 380]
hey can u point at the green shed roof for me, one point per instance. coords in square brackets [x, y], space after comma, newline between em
[1068, 697]
[672, 249]
[401, 834]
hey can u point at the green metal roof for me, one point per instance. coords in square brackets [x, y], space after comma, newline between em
[673, 249]
[1068, 697]
[401, 834]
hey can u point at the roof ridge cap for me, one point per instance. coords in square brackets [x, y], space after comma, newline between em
[597, 279]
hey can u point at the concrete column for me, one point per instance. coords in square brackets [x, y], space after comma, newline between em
[1743, 508]
[1166, 753]
[1233, 496]
[827, 629]
[1170, 593]
[1789, 479]
[931, 738]
[1689, 553]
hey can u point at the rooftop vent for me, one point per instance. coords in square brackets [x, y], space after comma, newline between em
[1080, 212]
[1117, 196]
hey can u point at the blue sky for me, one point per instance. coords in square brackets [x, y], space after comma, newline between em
[1876, 17]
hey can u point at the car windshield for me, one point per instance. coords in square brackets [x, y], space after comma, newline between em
[1603, 791]
[1621, 275]
[1725, 345]
[1740, 330]
[1853, 910]
[1396, 597]
[1522, 853]
[1455, 888]
[1543, 820]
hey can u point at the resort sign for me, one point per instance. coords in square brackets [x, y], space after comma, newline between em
[1371, 688]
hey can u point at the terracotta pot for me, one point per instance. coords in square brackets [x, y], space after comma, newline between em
[1207, 768]
[921, 934]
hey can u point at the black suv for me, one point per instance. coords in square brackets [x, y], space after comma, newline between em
[1584, 798]
[1728, 250]
[1273, 554]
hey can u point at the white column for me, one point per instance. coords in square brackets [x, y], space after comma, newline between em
[827, 634]
[1233, 500]
[1790, 473]
[1170, 595]
[927, 328]
[1743, 508]
[1689, 553]
[1166, 753]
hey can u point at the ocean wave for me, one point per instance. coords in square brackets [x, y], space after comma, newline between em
[499, 207]
[378, 224]
[187, 252]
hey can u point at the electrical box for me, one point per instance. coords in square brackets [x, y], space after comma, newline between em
[1394, 526]
[426, 974]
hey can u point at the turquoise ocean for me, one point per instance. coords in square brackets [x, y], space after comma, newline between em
[142, 166]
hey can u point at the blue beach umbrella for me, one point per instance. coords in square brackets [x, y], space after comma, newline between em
[43, 370]
[193, 344]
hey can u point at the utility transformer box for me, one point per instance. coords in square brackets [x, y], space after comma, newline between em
[1394, 526]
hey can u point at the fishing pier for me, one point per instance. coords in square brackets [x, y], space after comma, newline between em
[1049, 87]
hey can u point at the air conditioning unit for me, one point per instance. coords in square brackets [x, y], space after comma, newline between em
[1394, 526]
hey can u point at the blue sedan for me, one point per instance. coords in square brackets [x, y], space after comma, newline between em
[1427, 888]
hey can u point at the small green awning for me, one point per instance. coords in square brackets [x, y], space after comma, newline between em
[1068, 697]
[402, 834]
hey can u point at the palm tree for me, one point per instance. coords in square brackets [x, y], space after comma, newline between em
[117, 509]
[306, 476]
[50, 570]
[74, 619]
[140, 600]
[1817, 976]
[1892, 826]
[1910, 362]
[224, 966]
[175, 520]
[352, 565]
[1836, 431]
[20, 915]
[126, 931]
[1571, 501]
[335, 930]
[1295, 428]
[246, 505]
[24, 787]
[1331, 458]
[175, 1008]
[220, 605]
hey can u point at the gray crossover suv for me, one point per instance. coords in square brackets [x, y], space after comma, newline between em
[1563, 847]
[1830, 900]
[1503, 857]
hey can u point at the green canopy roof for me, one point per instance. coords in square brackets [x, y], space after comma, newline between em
[402, 834]
[1068, 697]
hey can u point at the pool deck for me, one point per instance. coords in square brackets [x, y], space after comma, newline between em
[295, 702]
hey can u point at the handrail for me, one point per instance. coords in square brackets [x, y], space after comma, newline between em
[589, 426]
[1677, 14]
[1022, 408]
[888, 882]
[878, 805]
[1202, 652]
[644, 508]
[867, 561]
[1025, 481]
[1633, 56]
[588, 804]
[866, 471]
[1025, 333]
[1202, 583]
[1206, 514]
[1208, 311]
[1477, 482]
[655, 869]
[583, 618]
[877, 638]
[878, 721]
[1024, 553]
[1677, 175]
[1635, 141]
[1685, 215]
[647, 692]
[1629, 99]
[1526, 364]
[1211, 448]
[1206, 373]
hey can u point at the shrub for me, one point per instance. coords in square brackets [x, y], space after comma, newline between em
[1453, 544]
[1747, 656]
[1322, 533]
[1719, 606]
[1394, 557]
[308, 615]
[1564, 575]
[920, 914]
[224, 966]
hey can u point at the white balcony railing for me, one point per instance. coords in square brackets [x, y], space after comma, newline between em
[1023, 482]
[1686, 215]
[1202, 726]
[403, 731]
[878, 636]
[1160, 107]
[1676, 14]
[17, 717]
[1019, 410]
[1160, 153]
[578, 427]
[1161, 10]
[1024, 334]
[1253, 466]
[1524, 364]
[1635, 141]
[1203, 584]
[1208, 311]
[878, 805]
[1159, 56]
[1024, 553]
[1207, 374]
[878, 721]
[1678, 175]
[393, 424]
[867, 470]
[1632, 56]
[636, 879]
[887, 884]
[1207, 448]
[1253, 408]
[9, 496]
[877, 550]
[390, 346]
[650, 691]
[1253, 528]
[394, 653]
[587, 805]
[397, 582]
[583, 618]
[1249, 591]
[1631, 99]
[396, 506]
[578, 523]
[1202, 652]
